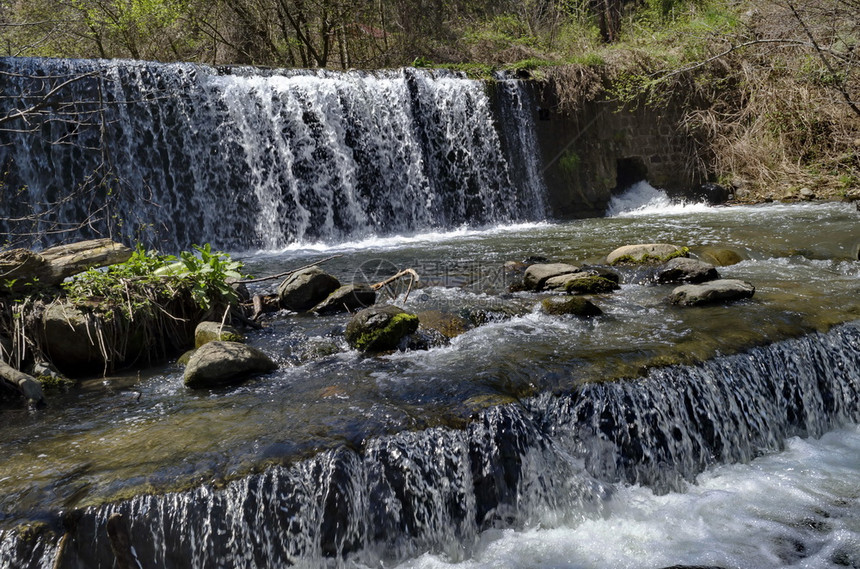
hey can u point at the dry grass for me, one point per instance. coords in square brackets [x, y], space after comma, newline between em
[783, 123]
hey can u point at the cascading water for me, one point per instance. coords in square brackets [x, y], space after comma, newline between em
[421, 457]
[246, 159]
[552, 460]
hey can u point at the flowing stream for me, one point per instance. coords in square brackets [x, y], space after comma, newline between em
[649, 437]
[507, 440]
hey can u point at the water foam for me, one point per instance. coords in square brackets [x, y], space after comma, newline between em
[643, 199]
[797, 508]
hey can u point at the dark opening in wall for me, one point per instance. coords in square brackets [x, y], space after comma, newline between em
[628, 172]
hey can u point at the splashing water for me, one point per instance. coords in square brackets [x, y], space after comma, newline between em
[643, 199]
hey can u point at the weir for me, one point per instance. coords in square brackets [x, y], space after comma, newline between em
[341, 460]
[549, 460]
[242, 158]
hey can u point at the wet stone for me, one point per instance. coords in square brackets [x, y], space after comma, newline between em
[218, 364]
[644, 253]
[536, 276]
[713, 292]
[305, 289]
[573, 305]
[682, 269]
[347, 298]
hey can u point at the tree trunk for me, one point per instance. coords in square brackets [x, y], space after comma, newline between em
[20, 267]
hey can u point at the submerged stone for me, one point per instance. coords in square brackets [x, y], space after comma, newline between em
[218, 363]
[719, 256]
[447, 324]
[380, 328]
[723, 290]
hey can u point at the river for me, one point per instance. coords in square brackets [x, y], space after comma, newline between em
[392, 446]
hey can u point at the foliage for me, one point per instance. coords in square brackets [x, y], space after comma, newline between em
[768, 88]
[149, 278]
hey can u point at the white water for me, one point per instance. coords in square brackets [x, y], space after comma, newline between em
[797, 508]
[642, 199]
[265, 160]
[385, 242]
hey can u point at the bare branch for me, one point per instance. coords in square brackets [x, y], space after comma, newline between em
[45, 99]
[841, 84]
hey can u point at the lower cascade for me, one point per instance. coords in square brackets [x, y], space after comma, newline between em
[252, 159]
[549, 461]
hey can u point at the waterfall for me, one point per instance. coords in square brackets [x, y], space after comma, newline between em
[175, 154]
[549, 460]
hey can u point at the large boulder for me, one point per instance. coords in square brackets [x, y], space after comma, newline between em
[645, 253]
[214, 331]
[380, 328]
[684, 270]
[535, 276]
[69, 338]
[306, 288]
[723, 290]
[347, 298]
[575, 305]
[217, 364]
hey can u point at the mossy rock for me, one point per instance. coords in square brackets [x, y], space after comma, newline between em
[591, 285]
[32, 531]
[574, 305]
[50, 377]
[380, 328]
[214, 332]
[184, 358]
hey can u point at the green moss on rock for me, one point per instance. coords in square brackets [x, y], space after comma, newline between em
[575, 305]
[378, 329]
[590, 285]
[387, 337]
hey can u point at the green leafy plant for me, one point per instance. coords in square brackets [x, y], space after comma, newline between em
[149, 278]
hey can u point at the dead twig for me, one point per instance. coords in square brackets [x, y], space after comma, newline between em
[287, 273]
[413, 278]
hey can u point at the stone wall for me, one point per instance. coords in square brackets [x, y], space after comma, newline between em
[601, 149]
